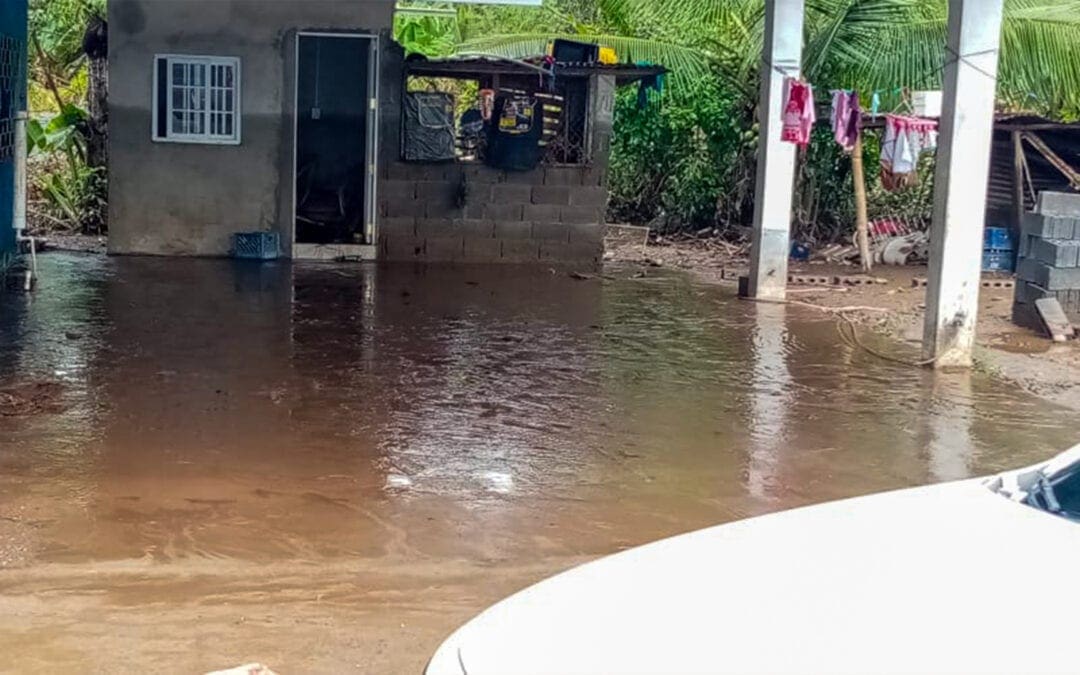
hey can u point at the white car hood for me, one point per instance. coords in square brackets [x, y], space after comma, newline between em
[946, 579]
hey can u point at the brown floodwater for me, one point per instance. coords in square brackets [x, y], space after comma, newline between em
[327, 468]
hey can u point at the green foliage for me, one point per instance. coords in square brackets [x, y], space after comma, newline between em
[56, 60]
[64, 190]
[432, 36]
[671, 161]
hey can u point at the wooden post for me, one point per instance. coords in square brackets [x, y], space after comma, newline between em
[1018, 184]
[858, 178]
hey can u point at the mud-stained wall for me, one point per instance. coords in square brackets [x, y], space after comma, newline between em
[186, 199]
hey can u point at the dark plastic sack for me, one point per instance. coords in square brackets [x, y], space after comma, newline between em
[429, 127]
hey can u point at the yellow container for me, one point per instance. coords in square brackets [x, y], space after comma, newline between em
[608, 56]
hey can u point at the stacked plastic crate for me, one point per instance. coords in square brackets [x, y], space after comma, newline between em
[999, 250]
[1049, 262]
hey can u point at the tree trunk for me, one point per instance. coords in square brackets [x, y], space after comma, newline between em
[95, 44]
[858, 178]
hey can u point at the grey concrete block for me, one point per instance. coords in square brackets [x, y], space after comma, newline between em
[594, 176]
[575, 253]
[551, 194]
[400, 171]
[435, 227]
[1050, 278]
[475, 229]
[1027, 292]
[519, 250]
[562, 175]
[475, 208]
[1059, 204]
[404, 247]
[1026, 316]
[1023, 248]
[581, 215]
[511, 192]
[481, 173]
[1049, 227]
[502, 212]
[596, 197]
[541, 213]
[444, 249]
[404, 208]
[393, 190]
[551, 232]
[513, 230]
[482, 250]
[403, 225]
[587, 233]
[1056, 252]
[532, 177]
[441, 193]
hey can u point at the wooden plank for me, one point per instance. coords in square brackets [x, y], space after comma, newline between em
[1018, 184]
[1054, 320]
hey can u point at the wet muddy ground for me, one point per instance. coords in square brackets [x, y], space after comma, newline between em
[327, 468]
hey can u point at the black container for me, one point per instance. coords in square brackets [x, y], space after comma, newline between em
[569, 51]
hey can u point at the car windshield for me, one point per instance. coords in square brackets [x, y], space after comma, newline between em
[1065, 490]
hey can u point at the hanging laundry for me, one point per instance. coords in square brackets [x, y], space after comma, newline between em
[798, 112]
[846, 118]
[905, 139]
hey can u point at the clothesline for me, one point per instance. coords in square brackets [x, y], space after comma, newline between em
[793, 70]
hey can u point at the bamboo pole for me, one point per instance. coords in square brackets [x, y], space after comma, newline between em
[858, 178]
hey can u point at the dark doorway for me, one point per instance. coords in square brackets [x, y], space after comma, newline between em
[333, 139]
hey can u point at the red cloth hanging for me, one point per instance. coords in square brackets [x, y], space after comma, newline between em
[798, 112]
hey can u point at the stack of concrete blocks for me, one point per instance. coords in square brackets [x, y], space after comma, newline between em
[1049, 262]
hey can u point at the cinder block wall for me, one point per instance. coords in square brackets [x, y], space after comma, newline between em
[474, 213]
[469, 212]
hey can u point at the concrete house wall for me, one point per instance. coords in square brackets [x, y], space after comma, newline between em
[186, 199]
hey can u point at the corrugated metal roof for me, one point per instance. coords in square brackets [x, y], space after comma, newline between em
[472, 65]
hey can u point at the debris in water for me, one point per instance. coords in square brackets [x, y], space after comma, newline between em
[30, 399]
[248, 669]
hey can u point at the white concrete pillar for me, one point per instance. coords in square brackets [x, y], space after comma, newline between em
[782, 55]
[963, 164]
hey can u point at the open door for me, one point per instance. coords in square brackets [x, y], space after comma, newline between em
[336, 104]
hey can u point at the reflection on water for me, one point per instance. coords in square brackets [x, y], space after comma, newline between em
[219, 410]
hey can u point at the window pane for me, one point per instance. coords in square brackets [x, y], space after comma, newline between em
[229, 125]
[178, 71]
[178, 98]
[179, 123]
[228, 100]
[228, 76]
[198, 74]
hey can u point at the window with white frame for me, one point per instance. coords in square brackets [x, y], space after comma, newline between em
[197, 99]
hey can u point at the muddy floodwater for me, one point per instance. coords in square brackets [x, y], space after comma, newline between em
[328, 468]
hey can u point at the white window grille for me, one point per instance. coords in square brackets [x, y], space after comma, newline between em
[197, 99]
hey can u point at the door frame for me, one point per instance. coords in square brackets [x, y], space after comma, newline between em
[336, 251]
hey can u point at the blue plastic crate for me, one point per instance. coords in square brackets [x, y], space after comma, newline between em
[998, 239]
[256, 245]
[995, 260]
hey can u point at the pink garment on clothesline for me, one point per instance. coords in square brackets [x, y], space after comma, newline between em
[798, 112]
[846, 118]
